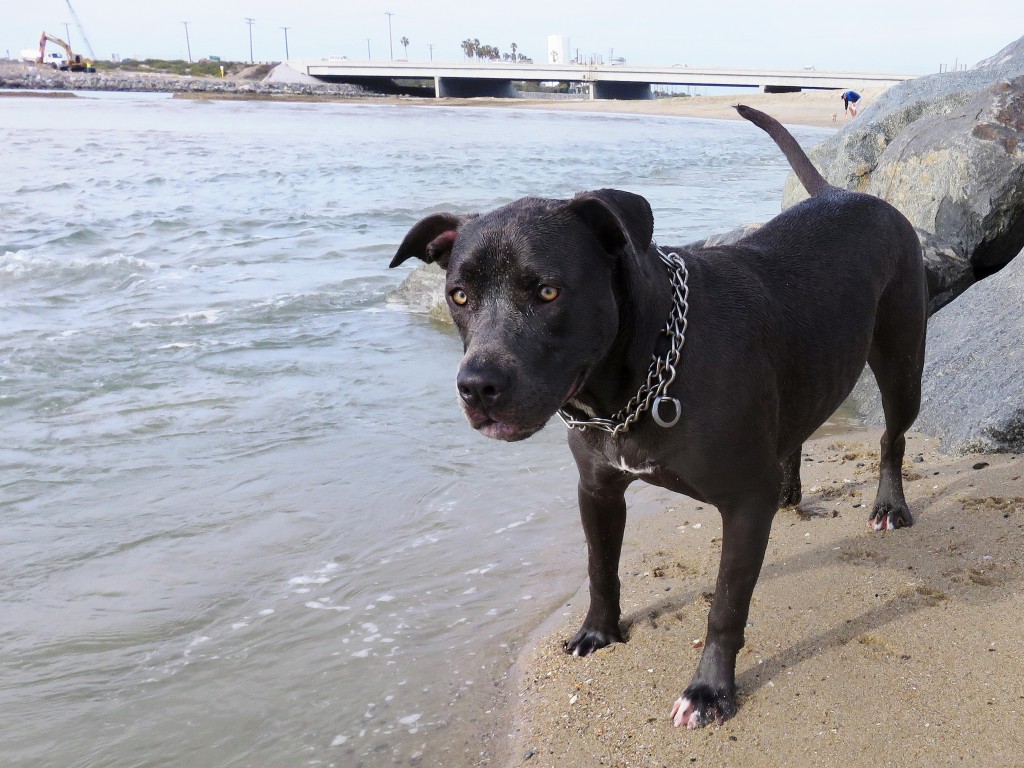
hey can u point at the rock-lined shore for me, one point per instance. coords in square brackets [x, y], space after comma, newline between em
[18, 76]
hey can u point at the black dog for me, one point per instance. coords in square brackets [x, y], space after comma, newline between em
[566, 306]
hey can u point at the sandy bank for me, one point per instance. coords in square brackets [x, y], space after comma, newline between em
[805, 108]
[864, 649]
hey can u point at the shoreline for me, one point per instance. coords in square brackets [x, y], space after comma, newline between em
[809, 108]
[910, 636]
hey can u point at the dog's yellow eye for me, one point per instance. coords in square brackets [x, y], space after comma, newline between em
[459, 296]
[548, 292]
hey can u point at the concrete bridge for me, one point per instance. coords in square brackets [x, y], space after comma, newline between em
[601, 81]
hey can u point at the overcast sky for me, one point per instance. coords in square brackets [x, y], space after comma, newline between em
[860, 35]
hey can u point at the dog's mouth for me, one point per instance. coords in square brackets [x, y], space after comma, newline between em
[577, 385]
[503, 430]
[509, 430]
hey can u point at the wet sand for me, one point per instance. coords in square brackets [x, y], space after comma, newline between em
[863, 649]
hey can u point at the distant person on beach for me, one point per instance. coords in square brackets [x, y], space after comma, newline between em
[850, 101]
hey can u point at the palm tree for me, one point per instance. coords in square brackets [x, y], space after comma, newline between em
[468, 48]
[405, 44]
[514, 48]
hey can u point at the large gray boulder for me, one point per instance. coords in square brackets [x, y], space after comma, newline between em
[947, 151]
[973, 395]
[422, 291]
[960, 176]
[948, 270]
[848, 158]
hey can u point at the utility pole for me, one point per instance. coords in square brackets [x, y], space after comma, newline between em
[368, 57]
[431, 47]
[188, 45]
[250, 22]
[286, 56]
[391, 45]
[67, 34]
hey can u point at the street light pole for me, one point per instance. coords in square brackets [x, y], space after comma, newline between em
[368, 56]
[188, 45]
[391, 45]
[431, 47]
[250, 22]
[286, 56]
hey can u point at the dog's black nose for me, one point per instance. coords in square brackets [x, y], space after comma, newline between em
[481, 388]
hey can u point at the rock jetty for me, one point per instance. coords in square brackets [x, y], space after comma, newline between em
[29, 77]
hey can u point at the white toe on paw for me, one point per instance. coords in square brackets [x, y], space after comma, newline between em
[684, 712]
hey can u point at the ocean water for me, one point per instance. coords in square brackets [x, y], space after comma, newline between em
[242, 521]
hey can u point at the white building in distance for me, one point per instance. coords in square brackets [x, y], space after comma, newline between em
[558, 50]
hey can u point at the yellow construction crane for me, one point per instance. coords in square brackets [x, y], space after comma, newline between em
[74, 62]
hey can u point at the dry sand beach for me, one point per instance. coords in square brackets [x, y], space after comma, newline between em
[818, 108]
[863, 649]
[806, 108]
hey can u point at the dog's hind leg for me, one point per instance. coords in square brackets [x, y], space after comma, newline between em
[790, 493]
[897, 363]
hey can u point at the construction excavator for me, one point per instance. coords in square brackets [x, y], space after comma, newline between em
[74, 62]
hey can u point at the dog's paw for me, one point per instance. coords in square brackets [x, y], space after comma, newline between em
[889, 517]
[702, 704]
[586, 641]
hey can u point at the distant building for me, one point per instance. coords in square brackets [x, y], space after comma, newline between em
[558, 50]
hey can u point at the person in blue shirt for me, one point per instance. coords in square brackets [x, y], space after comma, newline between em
[851, 100]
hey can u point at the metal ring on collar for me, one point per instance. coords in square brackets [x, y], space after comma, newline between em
[656, 412]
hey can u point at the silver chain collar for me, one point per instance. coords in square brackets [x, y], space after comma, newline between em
[662, 371]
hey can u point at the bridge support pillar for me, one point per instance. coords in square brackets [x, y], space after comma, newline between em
[608, 89]
[472, 87]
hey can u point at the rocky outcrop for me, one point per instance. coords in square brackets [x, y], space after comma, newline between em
[973, 395]
[947, 269]
[960, 176]
[46, 79]
[423, 291]
[948, 151]
[848, 158]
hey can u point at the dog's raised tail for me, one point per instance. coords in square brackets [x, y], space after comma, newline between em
[809, 176]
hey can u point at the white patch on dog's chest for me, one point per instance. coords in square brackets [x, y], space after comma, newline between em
[590, 412]
[641, 470]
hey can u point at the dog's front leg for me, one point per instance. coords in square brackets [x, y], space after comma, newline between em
[711, 694]
[603, 513]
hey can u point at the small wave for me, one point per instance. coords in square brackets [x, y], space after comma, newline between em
[60, 186]
[203, 317]
[22, 265]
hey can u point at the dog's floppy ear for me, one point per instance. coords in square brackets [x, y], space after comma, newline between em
[431, 239]
[620, 220]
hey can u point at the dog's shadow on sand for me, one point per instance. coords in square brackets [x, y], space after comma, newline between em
[936, 518]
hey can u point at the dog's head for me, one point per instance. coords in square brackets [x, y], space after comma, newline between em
[534, 288]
